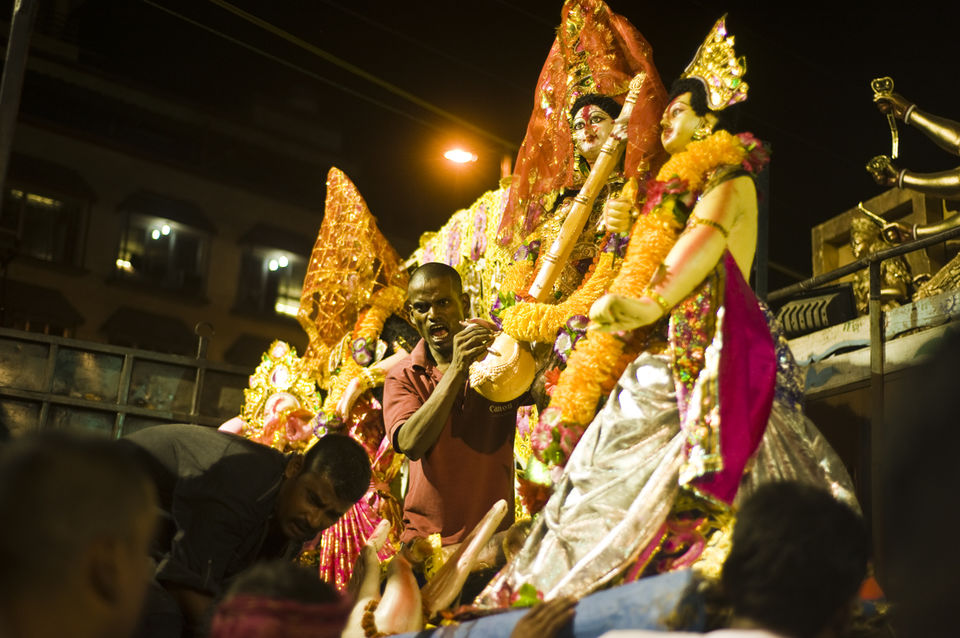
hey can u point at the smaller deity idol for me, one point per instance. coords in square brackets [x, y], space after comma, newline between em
[583, 86]
[895, 273]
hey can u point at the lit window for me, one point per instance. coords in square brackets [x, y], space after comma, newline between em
[270, 281]
[46, 228]
[163, 253]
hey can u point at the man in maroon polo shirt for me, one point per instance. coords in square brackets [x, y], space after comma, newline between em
[460, 445]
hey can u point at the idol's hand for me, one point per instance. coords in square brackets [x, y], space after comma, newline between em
[348, 399]
[617, 215]
[896, 233]
[615, 313]
[883, 171]
[893, 103]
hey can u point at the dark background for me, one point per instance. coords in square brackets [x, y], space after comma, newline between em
[809, 69]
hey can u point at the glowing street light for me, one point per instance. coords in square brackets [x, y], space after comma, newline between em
[283, 261]
[460, 156]
[165, 229]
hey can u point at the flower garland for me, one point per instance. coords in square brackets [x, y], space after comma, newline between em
[363, 351]
[520, 272]
[540, 321]
[369, 324]
[599, 359]
[527, 320]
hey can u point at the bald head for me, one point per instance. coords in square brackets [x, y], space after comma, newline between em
[436, 270]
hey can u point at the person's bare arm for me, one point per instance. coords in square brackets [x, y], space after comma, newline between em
[418, 433]
[545, 620]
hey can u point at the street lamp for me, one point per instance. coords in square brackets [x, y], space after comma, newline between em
[460, 156]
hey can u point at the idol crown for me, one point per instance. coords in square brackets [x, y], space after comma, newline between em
[718, 67]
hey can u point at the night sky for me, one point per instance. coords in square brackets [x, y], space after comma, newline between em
[809, 69]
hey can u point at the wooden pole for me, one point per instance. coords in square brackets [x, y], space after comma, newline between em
[15, 62]
[556, 257]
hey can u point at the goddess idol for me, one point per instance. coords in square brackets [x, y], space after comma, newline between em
[709, 409]
[599, 71]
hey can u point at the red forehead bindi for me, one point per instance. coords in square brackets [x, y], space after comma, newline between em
[585, 112]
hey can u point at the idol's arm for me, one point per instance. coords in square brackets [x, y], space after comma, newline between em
[361, 384]
[944, 184]
[691, 259]
[944, 133]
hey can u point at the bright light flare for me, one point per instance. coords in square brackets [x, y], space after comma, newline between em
[284, 307]
[460, 156]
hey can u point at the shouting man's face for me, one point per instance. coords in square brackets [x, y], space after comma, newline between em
[436, 308]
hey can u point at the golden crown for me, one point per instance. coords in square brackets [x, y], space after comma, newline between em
[718, 67]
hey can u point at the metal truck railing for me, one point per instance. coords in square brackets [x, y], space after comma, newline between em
[55, 382]
[872, 442]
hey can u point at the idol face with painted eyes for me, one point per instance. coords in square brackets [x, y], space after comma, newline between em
[681, 124]
[591, 119]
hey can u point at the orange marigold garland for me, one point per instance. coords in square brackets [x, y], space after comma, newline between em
[358, 349]
[518, 276]
[695, 164]
[533, 321]
[599, 358]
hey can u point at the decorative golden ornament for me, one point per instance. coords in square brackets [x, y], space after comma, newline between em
[718, 67]
[281, 385]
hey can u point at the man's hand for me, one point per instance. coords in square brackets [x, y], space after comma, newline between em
[545, 620]
[470, 344]
[893, 103]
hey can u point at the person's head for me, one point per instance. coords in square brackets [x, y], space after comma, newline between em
[591, 119]
[863, 233]
[78, 517]
[437, 305]
[321, 486]
[278, 599]
[283, 580]
[797, 560]
[688, 117]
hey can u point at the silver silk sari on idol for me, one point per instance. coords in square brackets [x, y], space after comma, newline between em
[625, 475]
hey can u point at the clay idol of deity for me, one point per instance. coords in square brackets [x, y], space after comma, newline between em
[711, 405]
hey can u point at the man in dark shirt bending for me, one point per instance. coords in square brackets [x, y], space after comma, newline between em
[231, 502]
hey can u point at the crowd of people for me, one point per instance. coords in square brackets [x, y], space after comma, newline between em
[671, 435]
